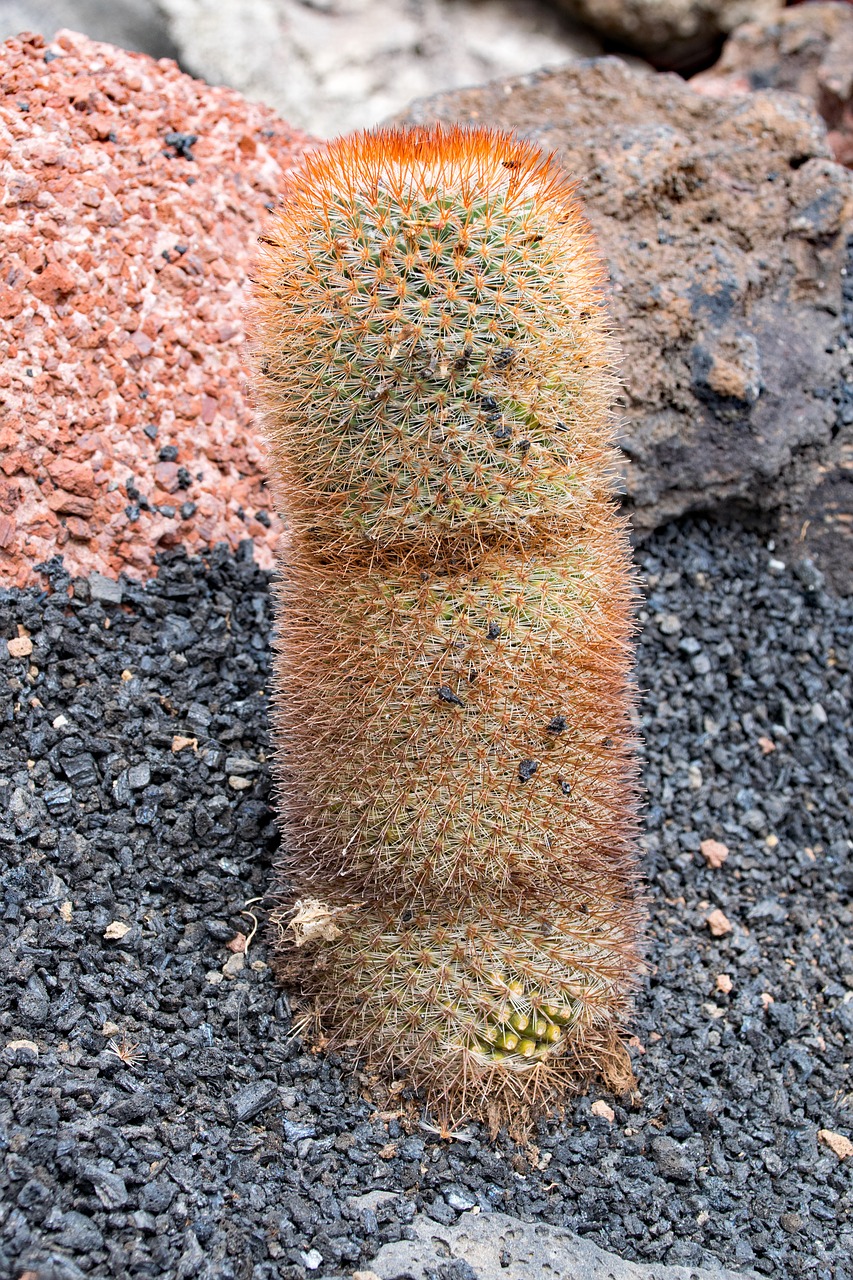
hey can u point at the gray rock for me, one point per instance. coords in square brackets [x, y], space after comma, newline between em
[192, 1260]
[138, 776]
[498, 1247]
[80, 770]
[670, 32]
[104, 589]
[294, 1132]
[132, 24]
[459, 1199]
[33, 1004]
[240, 765]
[132, 1110]
[440, 1211]
[110, 1189]
[25, 810]
[723, 223]
[57, 1267]
[156, 1196]
[349, 64]
[673, 1160]
[78, 1233]
[58, 797]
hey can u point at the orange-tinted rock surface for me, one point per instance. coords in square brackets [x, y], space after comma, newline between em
[133, 200]
[806, 50]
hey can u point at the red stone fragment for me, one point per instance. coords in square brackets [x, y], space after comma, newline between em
[53, 284]
[70, 504]
[76, 477]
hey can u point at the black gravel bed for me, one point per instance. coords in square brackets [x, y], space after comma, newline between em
[159, 1118]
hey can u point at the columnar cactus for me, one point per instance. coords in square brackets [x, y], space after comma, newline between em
[455, 761]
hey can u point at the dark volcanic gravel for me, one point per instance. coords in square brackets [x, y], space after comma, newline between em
[158, 1117]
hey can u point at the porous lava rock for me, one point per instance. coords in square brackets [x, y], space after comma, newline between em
[806, 50]
[133, 200]
[725, 226]
[671, 33]
[494, 1246]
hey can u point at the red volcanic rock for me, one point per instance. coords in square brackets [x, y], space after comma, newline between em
[134, 197]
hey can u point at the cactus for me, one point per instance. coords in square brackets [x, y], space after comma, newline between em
[455, 759]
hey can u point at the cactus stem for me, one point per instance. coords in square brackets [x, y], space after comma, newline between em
[455, 765]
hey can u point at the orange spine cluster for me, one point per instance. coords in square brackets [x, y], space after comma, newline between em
[455, 757]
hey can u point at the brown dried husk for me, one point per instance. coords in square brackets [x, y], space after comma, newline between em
[453, 705]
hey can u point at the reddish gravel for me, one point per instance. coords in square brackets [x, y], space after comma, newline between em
[122, 291]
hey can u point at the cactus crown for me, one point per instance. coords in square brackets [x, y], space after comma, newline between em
[429, 301]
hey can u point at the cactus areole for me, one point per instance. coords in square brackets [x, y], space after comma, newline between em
[455, 762]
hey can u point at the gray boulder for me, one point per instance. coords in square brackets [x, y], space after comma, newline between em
[130, 24]
[494, 1246]
[333, 65]
[669, 32]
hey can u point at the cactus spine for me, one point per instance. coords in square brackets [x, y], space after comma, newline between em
[455, 759]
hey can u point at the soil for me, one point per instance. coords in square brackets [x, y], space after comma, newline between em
[160, 1116]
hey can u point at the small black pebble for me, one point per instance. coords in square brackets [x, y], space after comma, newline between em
[558, 725]
[169, 453]
[151, 431]
[493, 631]
[182, 144]
[526, 769]
[252, 1099]
[447, 695]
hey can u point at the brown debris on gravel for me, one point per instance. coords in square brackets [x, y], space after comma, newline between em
[133, 200]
